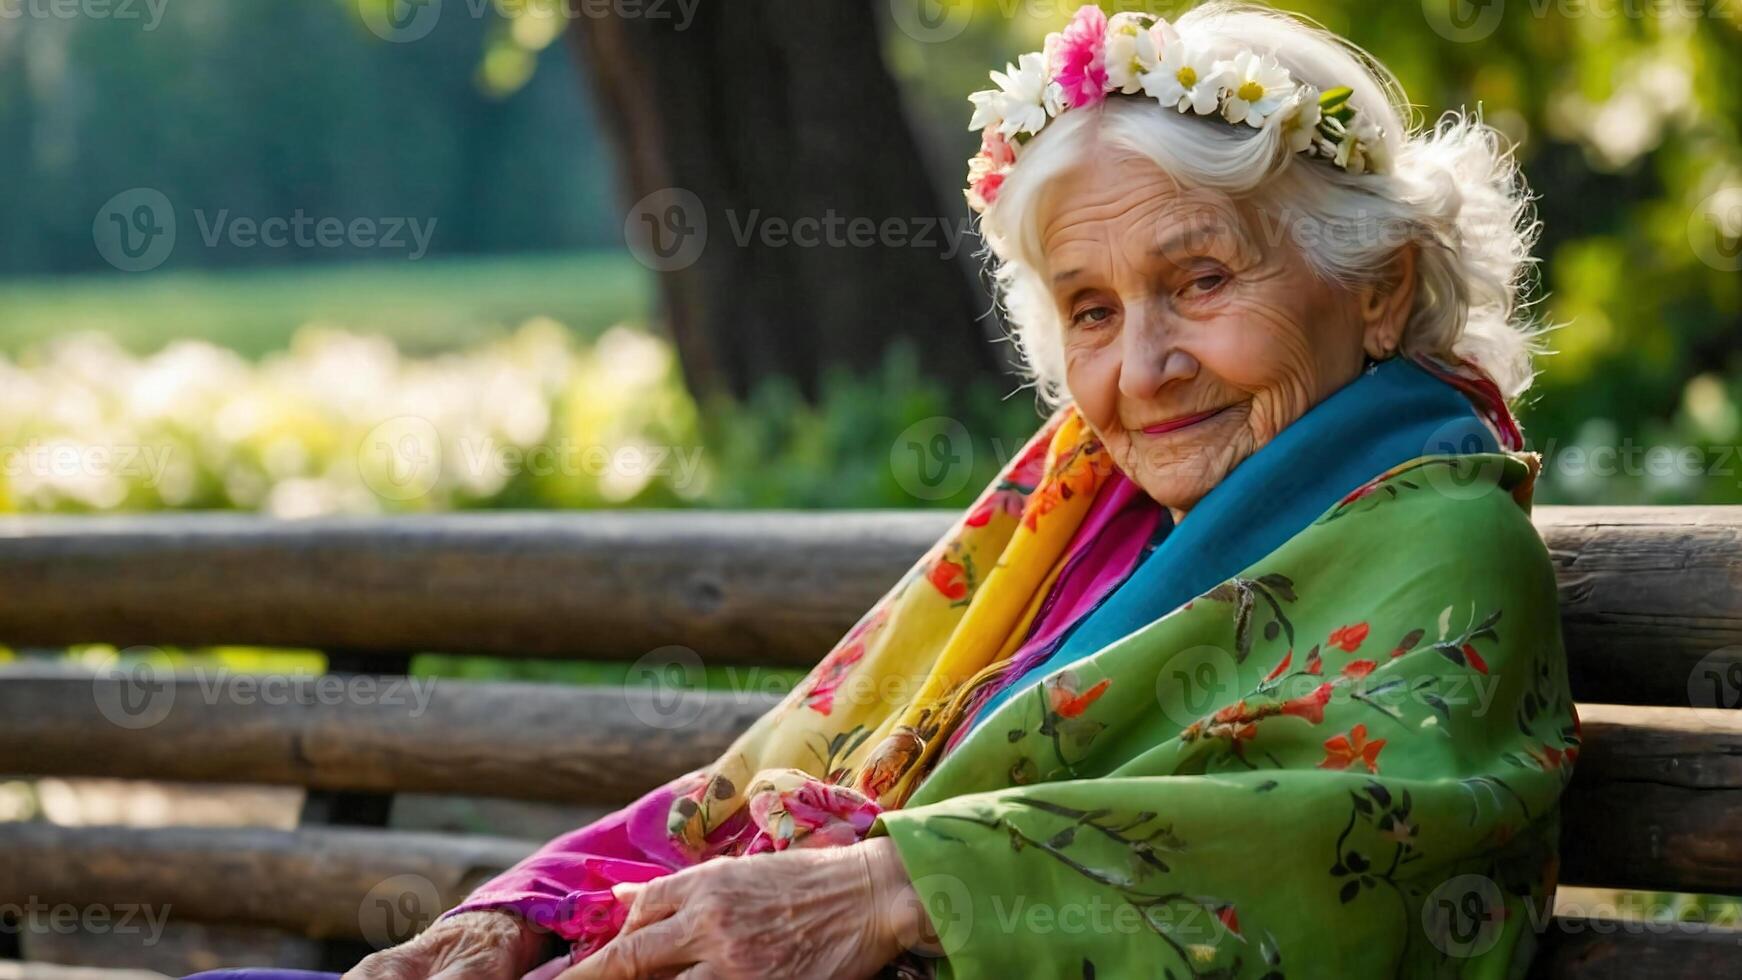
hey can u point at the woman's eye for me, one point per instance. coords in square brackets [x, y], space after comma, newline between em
[1091, 316]
[1205, 284]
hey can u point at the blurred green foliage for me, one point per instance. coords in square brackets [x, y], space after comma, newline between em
[424, 307]
[1625, 114]
[1627, 117]
[539, 417]
[261, 108]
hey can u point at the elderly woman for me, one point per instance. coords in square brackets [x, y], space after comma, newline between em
[1247, 666]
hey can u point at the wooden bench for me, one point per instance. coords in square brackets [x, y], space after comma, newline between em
[1652, 605]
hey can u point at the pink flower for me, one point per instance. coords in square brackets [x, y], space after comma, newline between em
[997, 150]
[819, 806]
[814, 814]
[1078, 57]
[983, 190]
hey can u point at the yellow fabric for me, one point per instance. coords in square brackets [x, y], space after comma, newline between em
[949, 624]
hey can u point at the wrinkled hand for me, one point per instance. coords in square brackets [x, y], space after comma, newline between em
[469, 946]
[830, 912]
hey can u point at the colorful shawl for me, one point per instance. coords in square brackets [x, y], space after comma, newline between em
[1319, 728]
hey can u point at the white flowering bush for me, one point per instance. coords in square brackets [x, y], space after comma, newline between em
[341, 423]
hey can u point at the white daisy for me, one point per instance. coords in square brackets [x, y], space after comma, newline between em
[1186, 77]
[1018, 104]
[1132, 50]
[986, 107]
[1363, 149]
[1374, 146]
[1257, 87]
[1300, 118]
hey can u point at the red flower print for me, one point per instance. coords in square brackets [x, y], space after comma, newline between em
[1551, 758]
[1358, 669]
[1231, 713]
[829, 675]
[1475, 659]
[1281, 666]
[1078, 472]
[1343, 750]
[1314, 663]
[1065, 700]
[1349, 638]
[950, 579]
[1310, 706]
[1005, 500]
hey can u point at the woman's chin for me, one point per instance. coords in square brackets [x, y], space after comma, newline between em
[1177, 493]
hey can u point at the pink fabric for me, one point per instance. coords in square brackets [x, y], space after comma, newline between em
[565, 886]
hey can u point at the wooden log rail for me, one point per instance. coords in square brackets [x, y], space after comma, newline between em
[1656, 800]
[1649, 594]
[1651, 599]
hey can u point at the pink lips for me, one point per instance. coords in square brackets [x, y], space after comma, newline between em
[1181, 422]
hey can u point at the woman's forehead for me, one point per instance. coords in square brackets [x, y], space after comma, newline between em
[1134, 207]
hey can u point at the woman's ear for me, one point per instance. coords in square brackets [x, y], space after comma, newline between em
[1386, 304]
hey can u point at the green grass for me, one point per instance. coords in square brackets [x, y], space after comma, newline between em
[433, 305]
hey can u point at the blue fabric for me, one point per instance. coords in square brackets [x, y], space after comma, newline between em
[1390, 414]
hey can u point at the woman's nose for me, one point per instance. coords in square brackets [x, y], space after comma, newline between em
[1152, 359]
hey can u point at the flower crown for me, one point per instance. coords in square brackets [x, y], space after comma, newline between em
[1134, 53]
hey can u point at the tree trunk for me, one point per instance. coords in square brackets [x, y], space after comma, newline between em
[776, 123]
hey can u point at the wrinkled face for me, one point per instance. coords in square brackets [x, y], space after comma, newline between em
[1191, 335]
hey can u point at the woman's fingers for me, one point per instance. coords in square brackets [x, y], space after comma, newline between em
[650, 902]
[636, 955]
